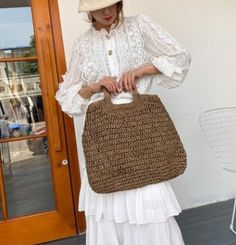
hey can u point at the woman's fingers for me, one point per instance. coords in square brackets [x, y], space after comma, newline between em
[111, 84]
[128, 81]
[113, 80]
[133, 80]
[106, 84]
[120, 83]
[116, 85]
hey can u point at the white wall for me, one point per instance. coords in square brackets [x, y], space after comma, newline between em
[207, 30]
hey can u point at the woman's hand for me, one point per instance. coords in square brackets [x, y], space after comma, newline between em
[109, 83]
[128, 81]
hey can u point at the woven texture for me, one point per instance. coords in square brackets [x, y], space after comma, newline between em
[130, 145]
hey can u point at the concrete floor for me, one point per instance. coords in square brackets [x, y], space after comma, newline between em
[31, 178]
[207, 225]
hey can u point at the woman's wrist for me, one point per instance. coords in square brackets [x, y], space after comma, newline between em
[141, 71]
[148, 70]
[95, 87]
[86, 91]
[91, 89]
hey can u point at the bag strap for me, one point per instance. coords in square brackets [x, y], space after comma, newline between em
[134, 103]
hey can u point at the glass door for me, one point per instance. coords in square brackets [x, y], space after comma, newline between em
[35, 191]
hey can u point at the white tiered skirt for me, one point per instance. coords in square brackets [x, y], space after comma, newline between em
[142, 216]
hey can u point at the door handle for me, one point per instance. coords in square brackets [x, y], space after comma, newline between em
[64, 162]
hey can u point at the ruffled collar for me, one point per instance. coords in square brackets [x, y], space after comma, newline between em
[103, 31]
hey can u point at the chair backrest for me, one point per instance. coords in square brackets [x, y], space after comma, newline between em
[219, 127]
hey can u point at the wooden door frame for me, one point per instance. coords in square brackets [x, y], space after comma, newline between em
[61, 222]
[68, 122]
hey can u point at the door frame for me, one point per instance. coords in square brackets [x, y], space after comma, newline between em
[59, 222]
[68, 122]
[65, 221]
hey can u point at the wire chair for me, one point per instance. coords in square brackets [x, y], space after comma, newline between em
[219, 127]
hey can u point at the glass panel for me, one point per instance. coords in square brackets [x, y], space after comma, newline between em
[17, 34]
[26, 163]
[21, 106]
[27, 176]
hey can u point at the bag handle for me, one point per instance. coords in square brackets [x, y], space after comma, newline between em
[135, 103]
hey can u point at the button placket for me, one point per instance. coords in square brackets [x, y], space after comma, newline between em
[108, 41]
[109, 45]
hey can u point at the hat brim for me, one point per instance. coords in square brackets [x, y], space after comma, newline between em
[100, 6]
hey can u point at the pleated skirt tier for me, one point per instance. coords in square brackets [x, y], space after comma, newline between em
[142, 216]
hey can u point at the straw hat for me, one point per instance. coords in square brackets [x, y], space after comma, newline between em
[90, 5]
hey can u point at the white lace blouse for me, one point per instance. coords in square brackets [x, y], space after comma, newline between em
[133, 43]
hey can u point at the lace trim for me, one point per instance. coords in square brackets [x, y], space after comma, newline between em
[125, 53]
[139, 41]
[170, 45]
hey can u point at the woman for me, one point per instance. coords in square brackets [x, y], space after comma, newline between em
[120, 54]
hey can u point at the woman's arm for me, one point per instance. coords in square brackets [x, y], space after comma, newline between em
[166, 53]
[148, 70]
[67, 94]
[128, 80]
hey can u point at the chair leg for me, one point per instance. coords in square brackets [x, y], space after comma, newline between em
[232, 220]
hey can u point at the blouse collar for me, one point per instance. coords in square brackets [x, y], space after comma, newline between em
[103, 31]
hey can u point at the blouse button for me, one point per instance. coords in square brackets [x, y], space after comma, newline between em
[108, 36]
[110, 52]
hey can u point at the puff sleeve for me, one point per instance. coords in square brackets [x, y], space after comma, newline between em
[67, 95]
[166, 54]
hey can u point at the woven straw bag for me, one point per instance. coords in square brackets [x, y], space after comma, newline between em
[130, 145]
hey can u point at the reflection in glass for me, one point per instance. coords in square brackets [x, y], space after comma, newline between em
[13, 70]
[28, 177]
[17, 35]
[19, 52]
[21, 105]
